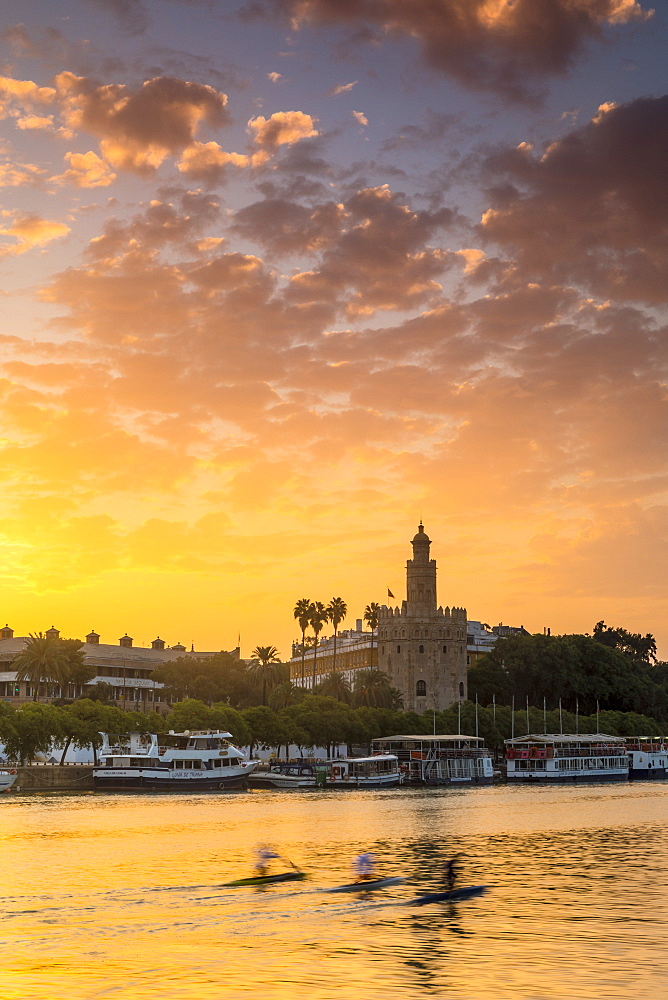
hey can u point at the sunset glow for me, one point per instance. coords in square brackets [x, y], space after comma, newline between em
[280, 279]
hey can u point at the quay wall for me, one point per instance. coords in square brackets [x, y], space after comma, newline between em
[53, 777]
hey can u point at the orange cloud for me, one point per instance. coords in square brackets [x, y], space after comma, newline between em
[30, 231]
[282, 128]
[139, 129]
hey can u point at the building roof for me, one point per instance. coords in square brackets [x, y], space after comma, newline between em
[567, 738]
[427, 737]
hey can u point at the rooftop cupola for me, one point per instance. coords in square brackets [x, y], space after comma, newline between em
[52, 633]
[126, 641]
[93, 639]
[421, 577]
[179, 647]
[6, 632]
[158, 643]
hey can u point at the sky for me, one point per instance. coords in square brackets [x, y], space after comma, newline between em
[282, 278]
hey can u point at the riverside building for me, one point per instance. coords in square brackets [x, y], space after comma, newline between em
[126, 668]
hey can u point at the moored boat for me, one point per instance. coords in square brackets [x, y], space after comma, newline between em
[380, 770]
[440, 760]
[191, 761]
[567, 757]
[7, 779]
[648, 757]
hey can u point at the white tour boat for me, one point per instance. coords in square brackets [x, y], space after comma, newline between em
[380, 770]
[567, 757]
[648, 757]
[440, 760]
[7, 779]
[192, 761]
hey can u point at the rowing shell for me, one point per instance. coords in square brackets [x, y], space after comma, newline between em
[453, 896]
[268, 879]
[368, 885]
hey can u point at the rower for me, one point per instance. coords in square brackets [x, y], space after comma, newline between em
[264, 855]
[452, 872]
[364, 865]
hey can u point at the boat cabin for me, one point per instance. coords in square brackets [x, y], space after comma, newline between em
[440, 760]
[566, 757]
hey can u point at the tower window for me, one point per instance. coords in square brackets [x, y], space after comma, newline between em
[382, 649]
[445, 649]
[421, 689]
[421, 649]
[398, 649]
[461, 689]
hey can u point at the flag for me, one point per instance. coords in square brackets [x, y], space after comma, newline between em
[389, 593]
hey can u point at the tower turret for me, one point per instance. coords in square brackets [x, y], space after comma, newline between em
[421, 578]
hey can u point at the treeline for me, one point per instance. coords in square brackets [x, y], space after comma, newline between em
[614, 669]
[222, 678]
[315, 721]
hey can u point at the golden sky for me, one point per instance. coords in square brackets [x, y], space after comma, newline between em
[282, 280]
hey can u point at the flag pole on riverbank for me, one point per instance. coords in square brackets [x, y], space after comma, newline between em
[577, 716]
[512, 720]
[528, 726]
[476, 714]
[561, 719]
[544, 716]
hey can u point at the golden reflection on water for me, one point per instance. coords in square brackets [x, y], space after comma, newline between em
[119, 896]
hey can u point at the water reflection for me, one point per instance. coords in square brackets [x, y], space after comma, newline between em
[122, 896]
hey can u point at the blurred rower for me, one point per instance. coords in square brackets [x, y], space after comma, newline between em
[264, 856]
[364, 865]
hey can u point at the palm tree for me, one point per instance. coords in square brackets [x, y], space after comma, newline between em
[317, 617]
[284, 695]
[373, 689]
[302, 613]
[371, 615]
[43, 658]
[337, 609]
[336, 685]
[264, 667]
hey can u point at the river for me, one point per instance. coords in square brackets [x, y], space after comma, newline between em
[119, 896]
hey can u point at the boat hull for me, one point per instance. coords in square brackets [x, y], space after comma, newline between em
[566, 779]
[7, 779]
[146, 782]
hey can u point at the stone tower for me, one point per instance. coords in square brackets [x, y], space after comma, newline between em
[422, 647]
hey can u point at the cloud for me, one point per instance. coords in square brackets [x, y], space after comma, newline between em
[22, 94]
[139, 129]
[592, 209]
[282, 128]
[21, 174]
[207, 161]
[360, 117]
[342, 88]
[274, 77]
[86, 170]
[505, 46]
[30, 231]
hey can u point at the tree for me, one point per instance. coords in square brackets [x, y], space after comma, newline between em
[221, 677]
[265, 727]
[373, 688]
[266, 668]
[285, 694]
[335, 685]
[302, 613]
[371, 616]
[35, 728]
[44, 658]
[337, 609]
[317, 618]
[633, 644]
